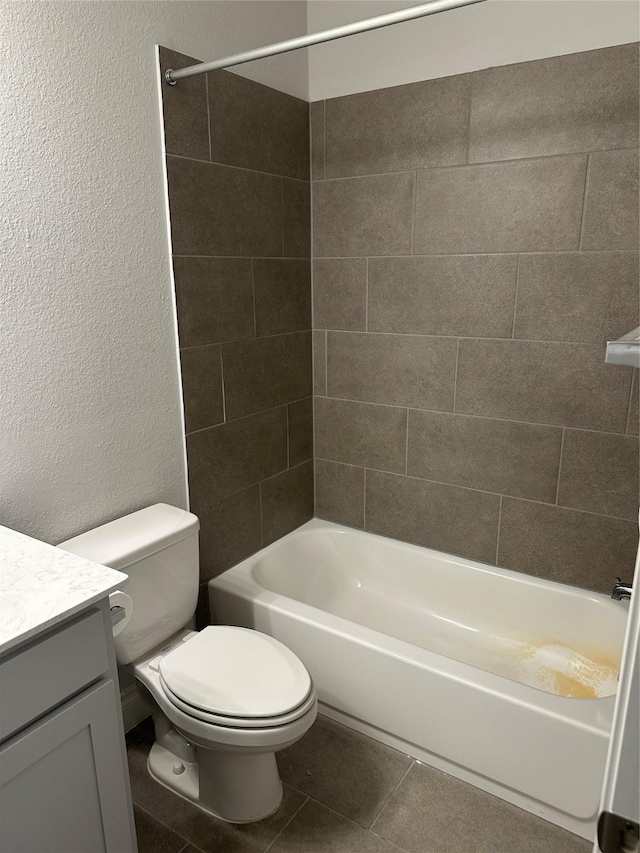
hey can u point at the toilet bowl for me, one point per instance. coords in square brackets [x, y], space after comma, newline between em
[223, 700]
[217, 729]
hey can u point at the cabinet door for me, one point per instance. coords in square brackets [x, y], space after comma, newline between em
[62, 782]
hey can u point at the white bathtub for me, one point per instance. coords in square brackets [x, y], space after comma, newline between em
[436, 655]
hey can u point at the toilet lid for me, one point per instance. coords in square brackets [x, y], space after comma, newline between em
[236, 672]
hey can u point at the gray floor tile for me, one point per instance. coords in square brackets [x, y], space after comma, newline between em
[196, 826]
[316, 829]
[435, 813]
[153, 836]
[343, 769]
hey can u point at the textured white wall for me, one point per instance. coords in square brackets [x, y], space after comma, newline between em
[498, 32]
[90, 414]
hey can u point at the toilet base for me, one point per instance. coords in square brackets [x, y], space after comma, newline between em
[237, 788]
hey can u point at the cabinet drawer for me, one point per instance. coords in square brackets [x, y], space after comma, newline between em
[44, 673]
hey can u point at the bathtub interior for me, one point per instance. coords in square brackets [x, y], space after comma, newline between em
[556, 638]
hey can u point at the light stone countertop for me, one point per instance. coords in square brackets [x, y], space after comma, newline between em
[41, 586]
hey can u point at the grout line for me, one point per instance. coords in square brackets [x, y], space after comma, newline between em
[261, 518]
[253, 297]
[166, 825]
[464, 415]
[313, 455]
[584, 200]
[413, 212]
[455, 376]
[573, 154]
[364, 501]
[250, 415]
[288, 455]
[237, 168]
[406, 446]
[268, 257]
[295, 814]
[224, 398]
[248, 339]
[326, 364]
[206, 84]
[389, 798]
[472, 489]
[560, 467]
[366, 299]
[282, 213]
[509, 340]
[404, 255]
[498, 533]
[515, 300]
[468, 145]
[627, 423]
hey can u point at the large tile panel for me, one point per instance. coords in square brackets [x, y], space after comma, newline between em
[296, 219]
[202, 387]
[363, 216]
[340, 493]
[283, 295]
[340, 293]
[300, 416]
[232, 456]
[360, 434]
[564, 545]
[266, 372]
[317, 829]
[230, 530]
[345, 770]
[403, 370]
[455, 295]
[611, 205]
[185, 119]
[217, 210]
[600, 473]
[434, 813]
[521, 206]
[481, 453]
[578, 296]
[447, 518]
[287, 501]
[257, 127]
[550, 383]
[581, 102]
[397, 129]
[214, 299]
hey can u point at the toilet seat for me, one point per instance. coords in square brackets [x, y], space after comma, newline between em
[237, 678]
[239, 722]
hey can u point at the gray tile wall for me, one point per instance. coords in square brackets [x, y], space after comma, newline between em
[475, 243]
[239, 197]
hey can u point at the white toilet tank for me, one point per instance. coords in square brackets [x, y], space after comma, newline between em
[158, 548]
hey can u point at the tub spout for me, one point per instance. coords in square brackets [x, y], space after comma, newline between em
[621, 590]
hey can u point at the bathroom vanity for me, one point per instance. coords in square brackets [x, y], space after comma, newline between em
[64, 786]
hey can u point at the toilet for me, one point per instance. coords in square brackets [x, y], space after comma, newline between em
[225, 699]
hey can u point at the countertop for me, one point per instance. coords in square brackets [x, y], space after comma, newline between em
[41, 586]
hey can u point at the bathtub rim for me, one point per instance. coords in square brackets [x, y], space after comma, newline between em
[594, 714]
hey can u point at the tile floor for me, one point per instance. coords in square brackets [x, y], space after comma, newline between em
[345, 793]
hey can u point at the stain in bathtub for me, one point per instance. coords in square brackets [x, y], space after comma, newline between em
[556, 668]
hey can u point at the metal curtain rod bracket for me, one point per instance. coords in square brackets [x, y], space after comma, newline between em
[409, 14]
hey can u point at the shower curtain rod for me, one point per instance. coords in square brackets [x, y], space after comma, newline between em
[398, 17]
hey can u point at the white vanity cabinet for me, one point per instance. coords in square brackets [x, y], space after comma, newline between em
[64, 784]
